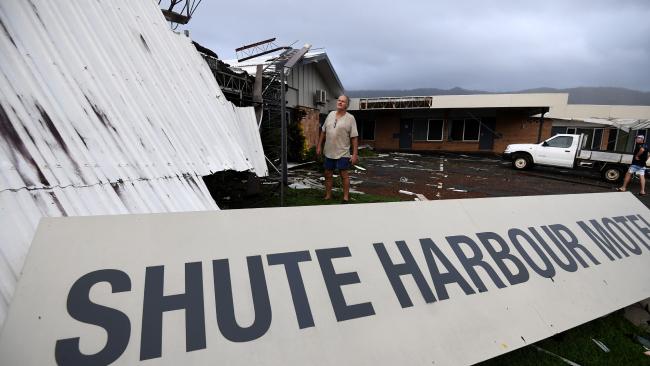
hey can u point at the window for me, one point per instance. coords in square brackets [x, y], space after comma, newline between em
[465, 130]
[435, 130]
[571, 131]
[427, 130]
[472, 128]
[366, 130]
[560, 141]
[420, 130]
[457, 127]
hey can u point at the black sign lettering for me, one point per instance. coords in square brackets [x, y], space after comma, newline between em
[570, 241]
[116, 323]
[503, 255]
[571, 265]
[630, 244]
[225, 308]
[296, 284]
[440, 280]
[334, 281]
[603, 239]
[515, 234]
[409, 267]
[155, 304]
[645, 231]
[473, 260]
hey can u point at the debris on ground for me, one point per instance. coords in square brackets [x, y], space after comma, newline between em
[406, 192]
[601, 345]
[567, 361]
[360, 167]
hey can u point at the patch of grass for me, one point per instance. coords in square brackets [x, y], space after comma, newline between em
[367, 153]
[576, 345]
[313, 197]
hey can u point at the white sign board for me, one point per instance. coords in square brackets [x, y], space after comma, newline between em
[421, 283]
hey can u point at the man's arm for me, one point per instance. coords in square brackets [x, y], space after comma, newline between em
[355, 150]
[321, 139]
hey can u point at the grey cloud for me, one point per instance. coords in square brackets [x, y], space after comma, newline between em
[489, 45]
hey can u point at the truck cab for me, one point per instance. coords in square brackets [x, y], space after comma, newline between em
[559, 150]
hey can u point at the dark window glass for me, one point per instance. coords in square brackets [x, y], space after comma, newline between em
[571, 131]
[598, 139]
[435, 130]
[456, 132]
[560, 141]
[368, 130]
[472, 127]
[419, 130]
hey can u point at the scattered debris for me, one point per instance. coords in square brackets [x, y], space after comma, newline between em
[406, 192]
[421, 197]
[297, 165]
[568, 362]
[360, 167]
[382, 155]
[601, 345]
[403, 179]
[306, 183]
[406, 154]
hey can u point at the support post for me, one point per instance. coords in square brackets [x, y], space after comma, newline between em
[283, 135]
[541, 124]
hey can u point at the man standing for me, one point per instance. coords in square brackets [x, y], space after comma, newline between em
[638, 165]
[338, 131]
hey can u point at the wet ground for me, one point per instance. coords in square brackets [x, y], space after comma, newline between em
[454, 176]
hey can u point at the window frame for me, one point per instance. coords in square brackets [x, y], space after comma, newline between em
[442, 129]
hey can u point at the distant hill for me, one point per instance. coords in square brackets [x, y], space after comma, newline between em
[580, 95]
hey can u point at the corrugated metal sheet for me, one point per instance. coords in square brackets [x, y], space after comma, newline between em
[104, 110]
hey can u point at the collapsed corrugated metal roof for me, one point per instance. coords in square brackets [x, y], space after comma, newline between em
[104, 110]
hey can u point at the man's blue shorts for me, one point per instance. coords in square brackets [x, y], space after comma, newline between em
[340, 164]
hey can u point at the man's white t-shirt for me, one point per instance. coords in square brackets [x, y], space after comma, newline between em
[338, 133]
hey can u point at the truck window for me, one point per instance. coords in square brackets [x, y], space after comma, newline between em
[560, 141]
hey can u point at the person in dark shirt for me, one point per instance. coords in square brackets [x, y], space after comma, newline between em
[638, 165]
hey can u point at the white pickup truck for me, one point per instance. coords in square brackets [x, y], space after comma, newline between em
[567, 151]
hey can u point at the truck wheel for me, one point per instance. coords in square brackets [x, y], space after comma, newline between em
[612, 174]
[521, 162]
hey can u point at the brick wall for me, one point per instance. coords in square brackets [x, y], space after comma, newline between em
[514, 127]
[517, 128]
[386, 126]
[310, 126]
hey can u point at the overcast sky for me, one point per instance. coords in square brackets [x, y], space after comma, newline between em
[475, 44]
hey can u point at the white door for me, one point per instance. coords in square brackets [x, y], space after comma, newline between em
[558, 151]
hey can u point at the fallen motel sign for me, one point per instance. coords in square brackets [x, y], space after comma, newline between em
[421, 283]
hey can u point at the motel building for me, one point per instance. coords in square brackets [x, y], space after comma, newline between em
[487, 123]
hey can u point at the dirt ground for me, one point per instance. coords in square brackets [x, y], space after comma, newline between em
[454, 176]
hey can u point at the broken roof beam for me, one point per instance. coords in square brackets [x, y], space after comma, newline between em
[175, 17]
